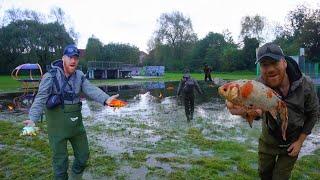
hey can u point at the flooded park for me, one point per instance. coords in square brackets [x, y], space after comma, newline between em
[150, 138]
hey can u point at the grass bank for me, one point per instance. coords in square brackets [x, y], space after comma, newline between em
[7, 84]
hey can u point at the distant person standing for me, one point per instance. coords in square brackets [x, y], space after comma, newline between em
[207, 72]
[187, 86]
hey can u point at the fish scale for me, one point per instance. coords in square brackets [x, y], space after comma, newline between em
[252, 94]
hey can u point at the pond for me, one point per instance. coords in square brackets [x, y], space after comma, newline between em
[154, 119]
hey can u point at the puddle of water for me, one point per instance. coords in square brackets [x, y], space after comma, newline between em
[150, 119]
[134, 173]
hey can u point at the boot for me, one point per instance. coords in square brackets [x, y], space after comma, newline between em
[188, 118]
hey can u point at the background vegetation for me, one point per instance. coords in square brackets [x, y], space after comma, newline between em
[30, 37]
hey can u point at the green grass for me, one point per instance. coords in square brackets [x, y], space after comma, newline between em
[232, 160]
[30, 158]
[7, 84]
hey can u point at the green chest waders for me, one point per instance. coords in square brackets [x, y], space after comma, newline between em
[66, 124]
[274, 161]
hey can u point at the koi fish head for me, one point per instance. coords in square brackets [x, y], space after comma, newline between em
[229, 91]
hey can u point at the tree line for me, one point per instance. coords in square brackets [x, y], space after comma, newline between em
[30, 37]
[175, 45]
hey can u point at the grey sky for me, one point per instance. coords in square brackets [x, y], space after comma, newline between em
[133, 22]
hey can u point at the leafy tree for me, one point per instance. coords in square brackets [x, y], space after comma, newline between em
[209, 50]
[231, 59]
[176, 31]
[252, 26]
[303, 31]
[121, 52]
[94, 49]
[249, 53]
[24, 39]
[306, 29]
[310, 36]
[297, 18]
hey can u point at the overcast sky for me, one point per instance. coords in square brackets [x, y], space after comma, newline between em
[134, 21]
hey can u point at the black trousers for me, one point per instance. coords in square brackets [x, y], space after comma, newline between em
[207, 76]
[189, 105]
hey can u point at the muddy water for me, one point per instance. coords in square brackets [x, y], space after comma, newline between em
[147, 115]
[155, 115]
[149, 120]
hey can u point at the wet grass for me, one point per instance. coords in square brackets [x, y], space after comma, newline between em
[223, 160]
[102, 165]
[136, 159]
[23, 157]
[308, 167]
[30, 157]
[10, 85]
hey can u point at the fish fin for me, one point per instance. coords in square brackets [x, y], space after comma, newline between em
[282, 108]
[274, 113]
[250, 122]
[250, 116]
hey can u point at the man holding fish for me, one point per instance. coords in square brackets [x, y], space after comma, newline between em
[59, 91]
[288, 105]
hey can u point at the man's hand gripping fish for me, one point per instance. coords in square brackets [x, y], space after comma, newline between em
[252, 94]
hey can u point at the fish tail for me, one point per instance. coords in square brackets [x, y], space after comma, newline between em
[282, 108]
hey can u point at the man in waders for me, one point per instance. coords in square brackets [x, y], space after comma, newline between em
[207, 72]
[187, 86]
[281, 73]
[59, 91]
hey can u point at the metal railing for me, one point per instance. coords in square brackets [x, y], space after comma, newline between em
[104, 65]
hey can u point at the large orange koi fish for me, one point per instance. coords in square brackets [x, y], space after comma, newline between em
[252, 94]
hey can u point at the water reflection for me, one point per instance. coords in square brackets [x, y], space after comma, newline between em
[155, 113]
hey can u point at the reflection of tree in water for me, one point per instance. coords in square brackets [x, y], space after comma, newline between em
[23, 102]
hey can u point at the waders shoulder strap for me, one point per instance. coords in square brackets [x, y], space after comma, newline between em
[53, 73]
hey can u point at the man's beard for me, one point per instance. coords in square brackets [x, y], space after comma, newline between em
[275, 83]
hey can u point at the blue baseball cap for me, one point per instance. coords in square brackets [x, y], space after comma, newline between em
[71, 50]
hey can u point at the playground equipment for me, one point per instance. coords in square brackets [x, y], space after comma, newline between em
[29, 75]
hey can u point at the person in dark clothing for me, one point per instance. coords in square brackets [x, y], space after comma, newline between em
[281, 73]
[186, 87]
[207, 72]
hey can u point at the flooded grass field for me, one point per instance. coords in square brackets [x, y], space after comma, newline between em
[150, 138]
